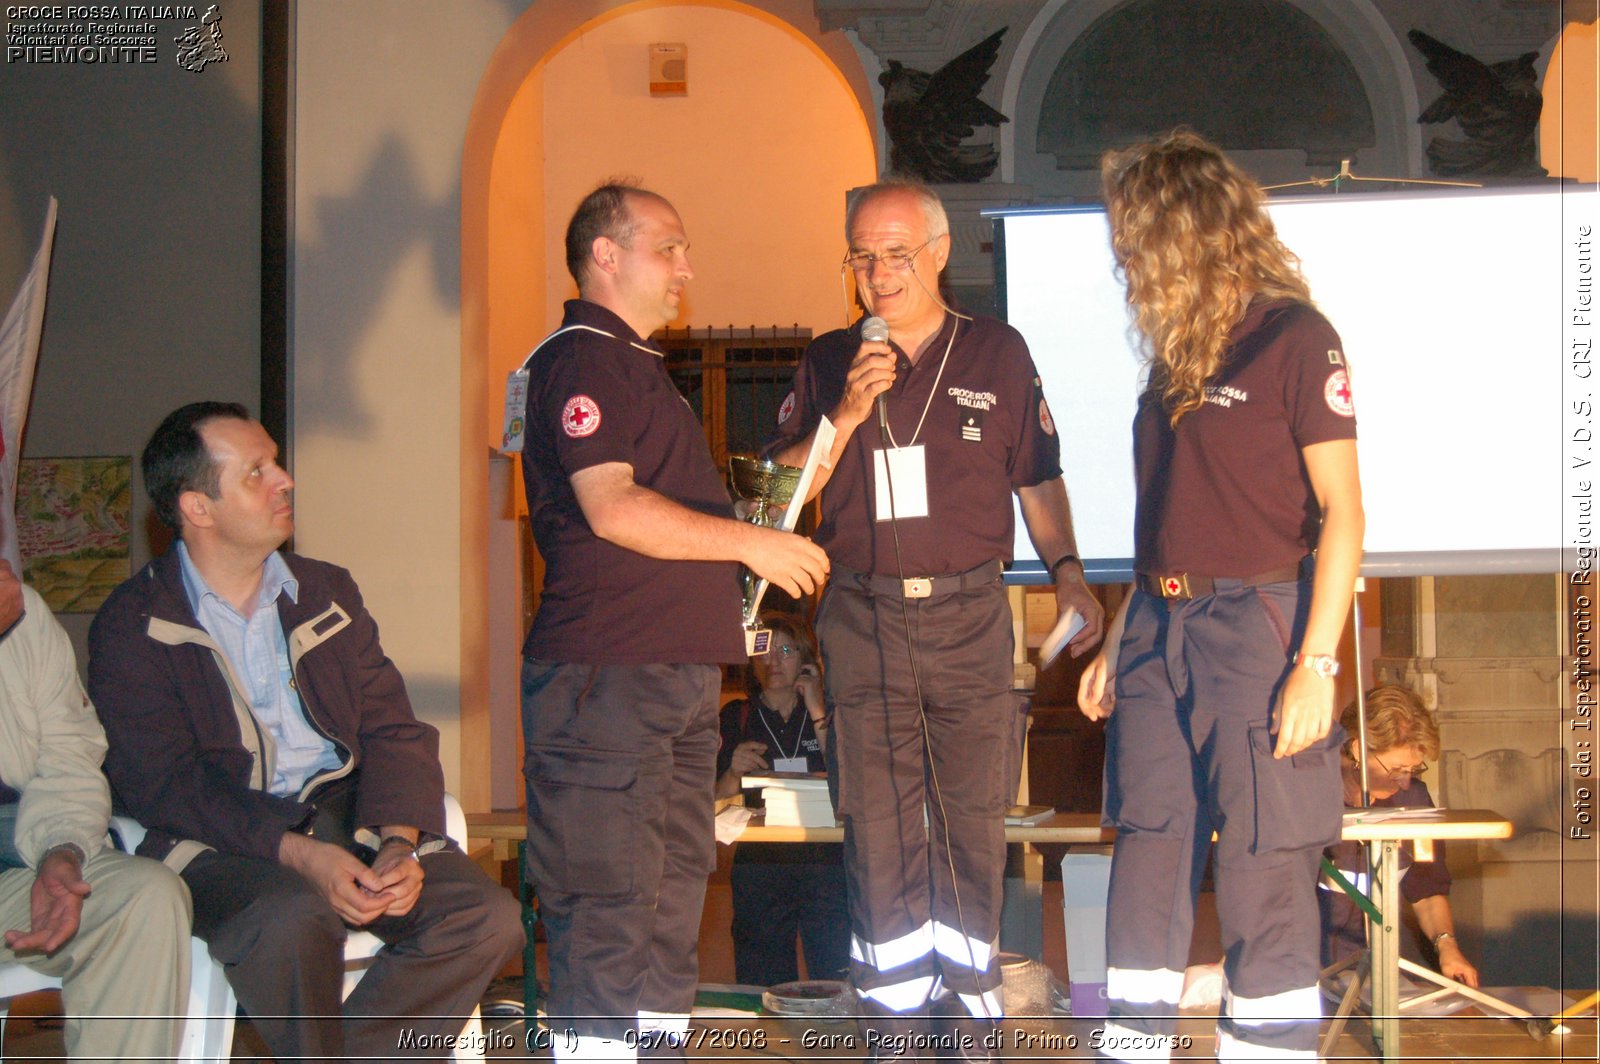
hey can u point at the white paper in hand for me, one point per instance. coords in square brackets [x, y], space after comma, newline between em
[1068, 626]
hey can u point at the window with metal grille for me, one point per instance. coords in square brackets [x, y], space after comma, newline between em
[735, 379]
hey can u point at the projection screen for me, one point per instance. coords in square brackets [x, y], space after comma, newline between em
[1450, 308]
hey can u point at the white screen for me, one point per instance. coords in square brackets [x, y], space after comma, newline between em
[1450, 310]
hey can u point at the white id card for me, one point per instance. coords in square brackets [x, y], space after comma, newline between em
[907, 467]
[789, 764]
[513, 427]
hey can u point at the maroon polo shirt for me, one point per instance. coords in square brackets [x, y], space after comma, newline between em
[594, 399]
[986, 434]
[1226, 493]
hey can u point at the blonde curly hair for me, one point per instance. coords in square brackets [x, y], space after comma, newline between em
[1193, 242]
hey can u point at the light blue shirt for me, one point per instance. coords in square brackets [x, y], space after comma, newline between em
[259, 653]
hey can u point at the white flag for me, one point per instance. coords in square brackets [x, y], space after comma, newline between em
[19, 353]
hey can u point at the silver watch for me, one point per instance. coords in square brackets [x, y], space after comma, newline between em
[1324, 665]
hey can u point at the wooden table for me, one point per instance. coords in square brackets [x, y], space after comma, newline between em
[506, 829]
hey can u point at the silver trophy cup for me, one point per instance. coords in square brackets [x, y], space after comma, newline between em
[765, 485]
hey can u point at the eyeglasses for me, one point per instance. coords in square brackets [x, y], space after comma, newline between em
[1414, 772]
[862, 262]
[785, 650]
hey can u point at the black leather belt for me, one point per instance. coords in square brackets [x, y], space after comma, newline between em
[920, 587]
[1192, 585]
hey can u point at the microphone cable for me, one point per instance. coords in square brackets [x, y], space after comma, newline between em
[916, 680]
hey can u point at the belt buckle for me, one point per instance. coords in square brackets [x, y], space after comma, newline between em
[1175, 585]
[917, 587]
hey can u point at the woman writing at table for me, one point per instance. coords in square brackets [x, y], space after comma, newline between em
[1401, 738]
[1248, 528]
[783, 889]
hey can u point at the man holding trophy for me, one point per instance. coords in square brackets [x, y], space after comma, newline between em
[641, 603]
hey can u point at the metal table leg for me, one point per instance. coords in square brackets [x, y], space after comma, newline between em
[1385, 940]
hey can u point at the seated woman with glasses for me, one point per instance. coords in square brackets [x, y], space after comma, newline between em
[780, 889]
[1401, 737]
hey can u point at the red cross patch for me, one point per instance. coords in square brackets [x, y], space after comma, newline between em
[1046, 422]
[1171, 586]
[1336, 392]
[786, 409]
[580, 417]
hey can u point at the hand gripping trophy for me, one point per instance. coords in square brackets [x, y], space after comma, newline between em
[765, 485]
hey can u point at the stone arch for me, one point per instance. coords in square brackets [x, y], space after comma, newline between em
[1355, 27]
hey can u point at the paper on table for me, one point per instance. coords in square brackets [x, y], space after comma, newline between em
[1066, 627]
[730, 823]
[1401, 813]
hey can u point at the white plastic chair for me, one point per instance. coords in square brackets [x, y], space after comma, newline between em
[201, 1038]
[16, 980]
[212, 1001]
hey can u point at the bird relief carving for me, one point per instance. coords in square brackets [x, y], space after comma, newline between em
[1497, 107]
[928, 116]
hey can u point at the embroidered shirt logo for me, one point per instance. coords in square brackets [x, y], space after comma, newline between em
[976, 400]
[787, 408]
[580, 417]
[1226, 395]
[1336, 392]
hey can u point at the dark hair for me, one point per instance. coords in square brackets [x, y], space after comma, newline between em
[602, 213]
[783, 627]
[177, 460]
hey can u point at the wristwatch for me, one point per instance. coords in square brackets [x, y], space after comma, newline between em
[1324, 665]
[411, 847]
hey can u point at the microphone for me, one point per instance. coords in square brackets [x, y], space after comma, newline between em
[876, 330]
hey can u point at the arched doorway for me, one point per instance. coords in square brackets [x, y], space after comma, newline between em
[757, 158]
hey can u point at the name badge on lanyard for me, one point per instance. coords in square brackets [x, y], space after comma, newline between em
[789, 764]
[905, 471]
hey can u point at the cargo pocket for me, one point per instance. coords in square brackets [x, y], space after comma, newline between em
[582, 821]
[1298, 800]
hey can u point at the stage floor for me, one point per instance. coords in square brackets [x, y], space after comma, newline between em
[34, 1033]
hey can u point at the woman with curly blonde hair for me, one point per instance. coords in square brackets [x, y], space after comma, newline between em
[1248, 527]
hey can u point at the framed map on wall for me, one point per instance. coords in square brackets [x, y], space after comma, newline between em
[73, 518]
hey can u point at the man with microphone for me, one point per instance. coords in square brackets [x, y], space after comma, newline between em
[940, 417]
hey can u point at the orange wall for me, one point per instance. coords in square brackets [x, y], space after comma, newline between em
[757, 158]
[1567, 126]
[516, 244]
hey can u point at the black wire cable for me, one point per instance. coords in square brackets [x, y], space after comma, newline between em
[922, 717]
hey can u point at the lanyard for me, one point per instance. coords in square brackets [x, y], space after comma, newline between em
[799, 738]
[954, 325]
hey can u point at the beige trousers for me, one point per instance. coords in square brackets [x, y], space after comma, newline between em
[129, 959]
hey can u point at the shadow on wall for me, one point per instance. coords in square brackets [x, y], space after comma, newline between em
[1508, 960]
[357, 254]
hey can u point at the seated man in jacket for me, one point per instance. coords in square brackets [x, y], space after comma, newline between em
[113, 928]
[259, 732]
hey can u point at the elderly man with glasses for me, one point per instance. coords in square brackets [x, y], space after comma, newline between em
[1401, 736]
[941, 418]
